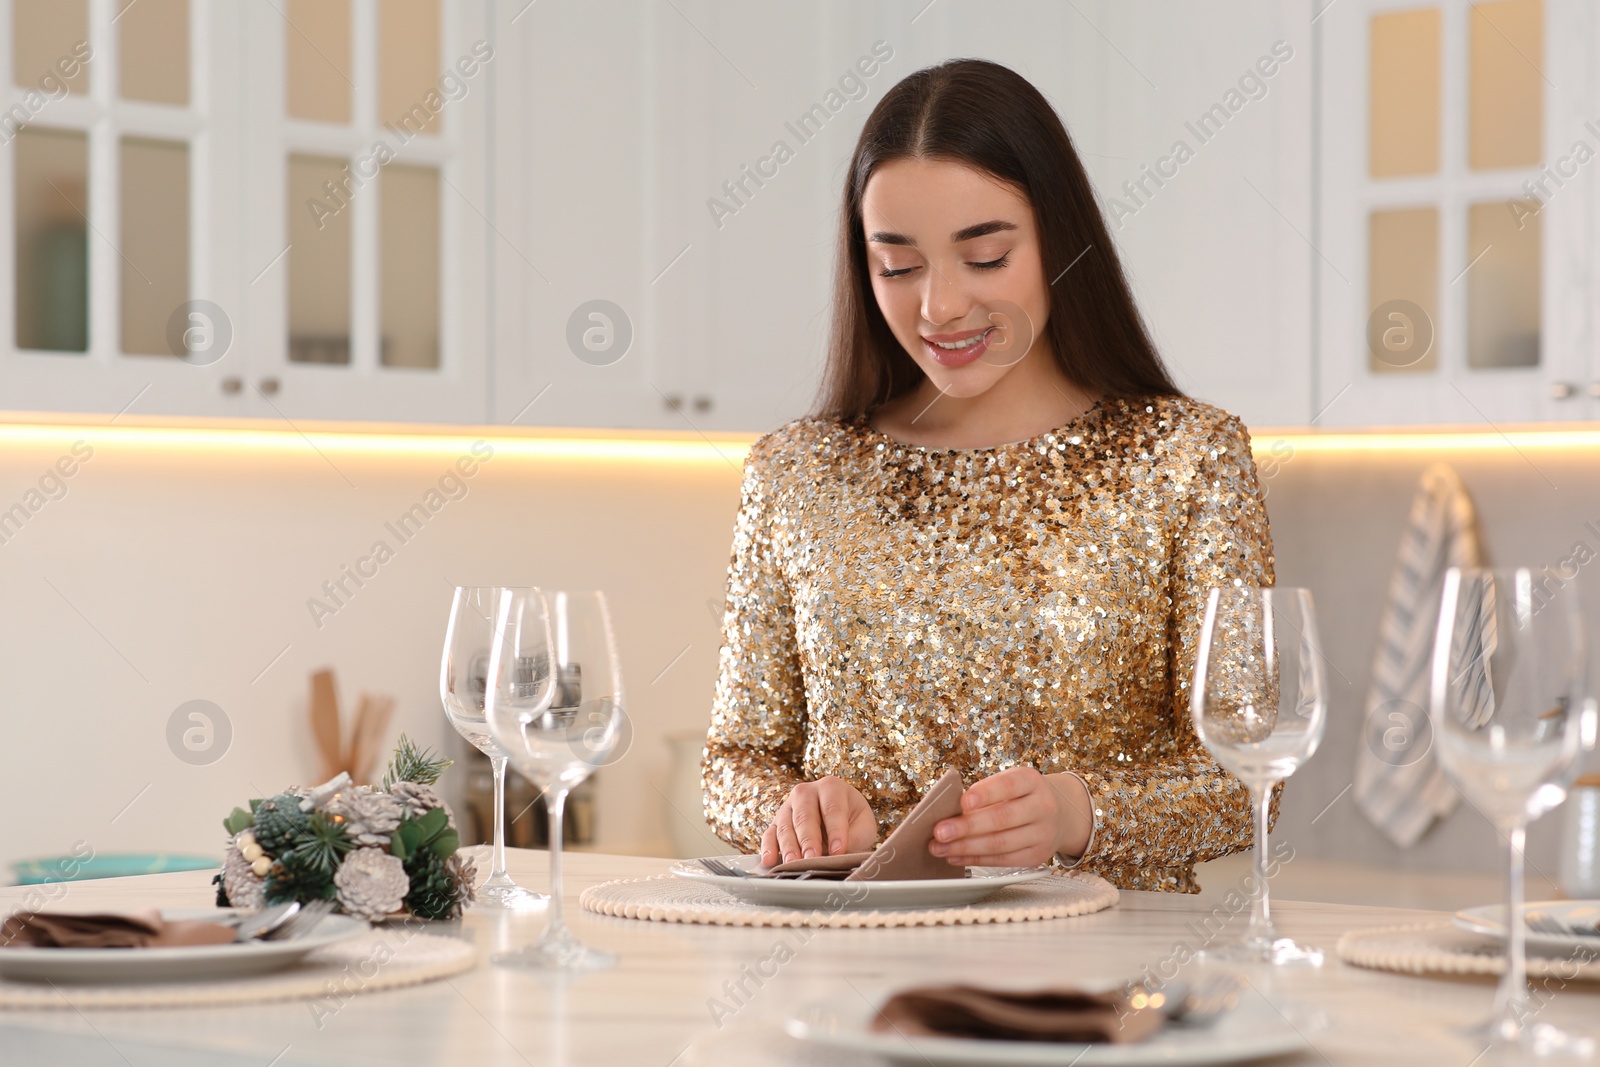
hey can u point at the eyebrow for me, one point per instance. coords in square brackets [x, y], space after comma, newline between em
[979, 229]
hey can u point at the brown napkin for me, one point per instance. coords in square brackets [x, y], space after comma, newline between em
[1043, 1015]
[835, 867]
[144, 929]
[903, 855]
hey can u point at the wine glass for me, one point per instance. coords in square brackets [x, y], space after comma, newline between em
[463, 676]
[1511, 714]
[556, 742]
[1260, 705]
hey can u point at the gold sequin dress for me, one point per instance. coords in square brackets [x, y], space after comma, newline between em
[897, 609]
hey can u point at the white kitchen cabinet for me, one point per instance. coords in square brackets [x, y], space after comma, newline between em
[123, 210]
[1432, 205]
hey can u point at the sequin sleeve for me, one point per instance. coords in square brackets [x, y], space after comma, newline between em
[1181, 807]
[758, 717]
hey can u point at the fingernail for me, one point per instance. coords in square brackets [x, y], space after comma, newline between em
[810, 852]
[943, 833]
[938, 850]
[787, 856]
[836, 846]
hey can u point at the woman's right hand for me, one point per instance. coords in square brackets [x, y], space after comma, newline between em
[821, 818]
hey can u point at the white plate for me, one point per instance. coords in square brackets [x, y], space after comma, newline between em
[1254, 1030]
[108, 965]
[853, 896]
[1489, 920]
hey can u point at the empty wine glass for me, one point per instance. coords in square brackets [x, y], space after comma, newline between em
[556, 742]
[1260, 706]
[463, 677]
[1511, 714]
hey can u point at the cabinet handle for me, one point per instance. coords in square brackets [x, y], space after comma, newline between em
[268, 386]
[1594, 390]
[673, 402]
[232, 385]
[702, 403]
[1563, 390]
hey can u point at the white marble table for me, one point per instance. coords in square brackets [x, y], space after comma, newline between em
[655, 1009]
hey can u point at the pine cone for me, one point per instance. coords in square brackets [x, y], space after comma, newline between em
[464, 873]
[242, 886]
[369, 818]
[279, 821]
[418, 800]
[372, 884]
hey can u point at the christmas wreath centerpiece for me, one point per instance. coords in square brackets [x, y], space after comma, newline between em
[377, 852]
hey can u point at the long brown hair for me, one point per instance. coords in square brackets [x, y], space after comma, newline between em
[991, 118]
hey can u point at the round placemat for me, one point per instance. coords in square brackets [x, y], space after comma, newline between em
[382, 958]
[668, 899]
[1443, 948]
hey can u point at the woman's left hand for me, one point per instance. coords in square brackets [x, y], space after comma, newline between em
[1017, 818]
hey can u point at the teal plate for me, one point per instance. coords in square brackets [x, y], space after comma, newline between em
[111, 865]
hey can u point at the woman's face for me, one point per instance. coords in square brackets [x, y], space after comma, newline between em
[954, 256]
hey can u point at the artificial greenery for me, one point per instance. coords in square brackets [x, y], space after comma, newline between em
[413, 764]
[428, 832]
[432, 894]
[322, 844]
[238, 820]
[297, 877]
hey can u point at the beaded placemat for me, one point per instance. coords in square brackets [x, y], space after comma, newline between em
[665, 898]
[382, 958]
[1443, 948]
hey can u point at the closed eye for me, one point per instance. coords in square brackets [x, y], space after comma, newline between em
[993, 264]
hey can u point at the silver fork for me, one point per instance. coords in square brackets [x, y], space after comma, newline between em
[1197, 1006]
[1215, 995]
[301, 922]
[722, 869]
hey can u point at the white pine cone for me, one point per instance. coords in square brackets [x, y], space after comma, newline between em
[372, 884]
[239, 879]
[464, 873]
[418, 800]
[370, 818]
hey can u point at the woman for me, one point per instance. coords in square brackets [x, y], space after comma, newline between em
[990, 547]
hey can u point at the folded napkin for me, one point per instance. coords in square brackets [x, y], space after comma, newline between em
[904, 854]
[144, 929]
[1043, 1015]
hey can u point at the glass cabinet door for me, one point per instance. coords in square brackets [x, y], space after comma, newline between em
[270, 209]
[117, 176]
[1452, 212]
[368, 165]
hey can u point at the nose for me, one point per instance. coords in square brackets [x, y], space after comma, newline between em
[944, 300]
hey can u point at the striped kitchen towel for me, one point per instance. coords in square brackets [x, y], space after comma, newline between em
[1398, 783]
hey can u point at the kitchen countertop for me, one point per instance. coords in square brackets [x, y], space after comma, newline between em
[656, 1008]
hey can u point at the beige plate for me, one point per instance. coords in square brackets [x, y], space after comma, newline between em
[104, 966]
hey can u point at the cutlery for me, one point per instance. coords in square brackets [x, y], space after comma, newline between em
[1193, 1006]
[1542, 923]
[262, 924]
[302, 922]
[723, 870]
[282, 922]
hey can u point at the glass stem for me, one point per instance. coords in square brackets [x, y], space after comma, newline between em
[1511, 998]
[1260, 931]
[555, 799]
[497, 868]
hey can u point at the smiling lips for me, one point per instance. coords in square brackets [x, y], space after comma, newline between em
[958, 349]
